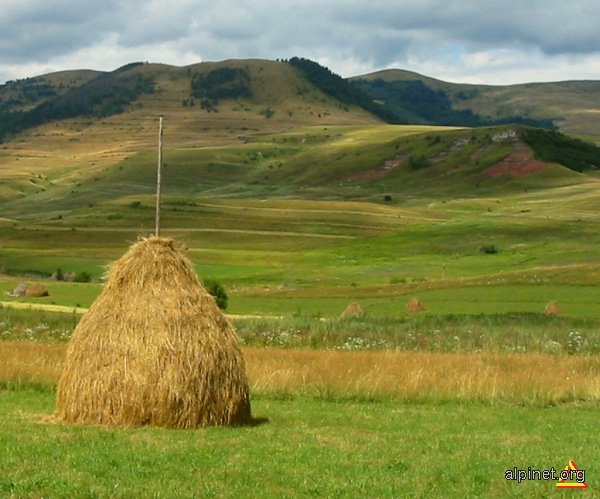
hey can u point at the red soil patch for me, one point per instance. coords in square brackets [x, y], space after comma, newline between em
[384, 171]
[519, 163]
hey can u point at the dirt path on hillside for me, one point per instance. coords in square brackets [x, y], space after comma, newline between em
[46, 307]
[190, 229]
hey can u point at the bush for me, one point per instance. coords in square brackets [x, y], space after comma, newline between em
[217, 290]
[418, 162]
[82, 277]
[489, 249]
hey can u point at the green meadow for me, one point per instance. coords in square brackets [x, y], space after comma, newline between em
[309, 447]
[297, 225]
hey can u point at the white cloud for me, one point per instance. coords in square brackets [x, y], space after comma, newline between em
[492, 41]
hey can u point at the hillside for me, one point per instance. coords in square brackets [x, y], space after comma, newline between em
[64, 132]
[378, 163]
[572, 106]
[294, 196]
[250, 128]
[254, 91]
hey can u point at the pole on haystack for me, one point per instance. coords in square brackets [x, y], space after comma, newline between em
[160, 132]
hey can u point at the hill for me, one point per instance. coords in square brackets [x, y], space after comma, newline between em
[380, 163]
[252, 128]
[75, 124]
[255, 90]
[297, 94]
[572, 106]
[294, 195]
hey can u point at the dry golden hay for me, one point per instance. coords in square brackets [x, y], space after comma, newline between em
[36, 290]
[414, 305]
[352, 311]
[20, 290]
[552, 308]
[154, 349]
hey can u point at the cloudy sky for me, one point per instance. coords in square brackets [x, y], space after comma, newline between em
[475, 41]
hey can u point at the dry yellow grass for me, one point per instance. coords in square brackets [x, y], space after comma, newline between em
[519, 378]
[30, 362]
[405, 376]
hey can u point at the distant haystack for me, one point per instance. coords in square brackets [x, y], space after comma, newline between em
[36, 290]
[353, 311]
[414, 305]
[552, 308]
[20, 290]
[69, 276]
[154, 349]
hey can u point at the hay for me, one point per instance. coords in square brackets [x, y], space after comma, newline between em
[20, 290]
[69, 276]
[154, 349]
[414, 306]
[353, 311]
[36, 290]
[552, 308]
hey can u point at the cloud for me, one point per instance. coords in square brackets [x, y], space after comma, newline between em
[446, 37]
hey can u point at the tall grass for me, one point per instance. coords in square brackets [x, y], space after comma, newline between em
[452, 333]
[525, 379]
[30, 363]
[503, 333]
[535, 379]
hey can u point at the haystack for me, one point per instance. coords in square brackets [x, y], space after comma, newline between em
[552, 308]
[353, 311]
[154, 349]
[20, 289]
[414, 305]
[36, 290]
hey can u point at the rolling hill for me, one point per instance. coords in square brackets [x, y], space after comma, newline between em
[572, 106]
[288, 184]
[256, 128]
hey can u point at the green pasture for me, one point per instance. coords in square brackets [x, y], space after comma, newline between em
[576, 301]
[304, 447]
[297, 225]
[309, 163]
[282, 222]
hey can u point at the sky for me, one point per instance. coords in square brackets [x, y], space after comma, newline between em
[465, 41]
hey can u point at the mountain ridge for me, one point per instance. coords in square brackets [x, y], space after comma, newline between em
[573, 106]
[252, 128]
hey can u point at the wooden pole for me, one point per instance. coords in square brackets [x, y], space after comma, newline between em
[160, 133]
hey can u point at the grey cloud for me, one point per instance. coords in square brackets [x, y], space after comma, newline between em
[37, 32]
[375, 33]
[552, 26]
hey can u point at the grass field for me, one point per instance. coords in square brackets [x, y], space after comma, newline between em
[332, 424]
[393, 404]
[310, 447]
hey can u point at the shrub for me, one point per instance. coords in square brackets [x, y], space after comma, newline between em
[217, 290]
[418, 162]
[82, 277]
[489, 249]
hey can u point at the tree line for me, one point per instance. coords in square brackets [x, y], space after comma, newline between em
[102, 96]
